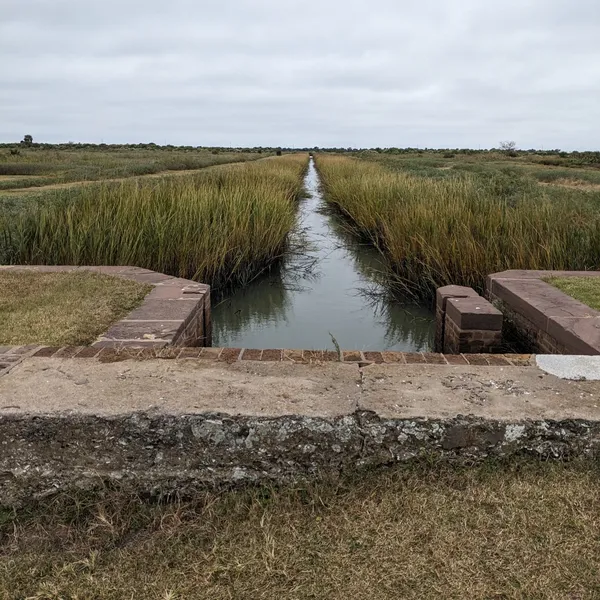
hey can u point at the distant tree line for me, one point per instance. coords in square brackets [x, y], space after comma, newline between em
[508, 148]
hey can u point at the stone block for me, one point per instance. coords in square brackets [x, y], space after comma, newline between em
[230, 354]
[473, 314]
[578, 335]
[252, 354]
[211, 353]
[393, 357]
[272, 354]
[190, 353]
[47, 351]
[163, 310]
[452, 291]
[442, 295]
[374, 357]
[143, 331]
[544, 317]
[295, 356]
[414, 358]
[472, 325]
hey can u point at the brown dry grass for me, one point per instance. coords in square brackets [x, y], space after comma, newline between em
[494, 532]
[62, 309]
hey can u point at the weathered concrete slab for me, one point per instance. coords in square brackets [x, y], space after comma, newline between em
[53, 385]
[494, 393]
[175, 426]
[61, 385]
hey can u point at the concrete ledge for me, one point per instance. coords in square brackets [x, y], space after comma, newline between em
[174, 426]
[552, 321]
[175, 313]
[180, 455]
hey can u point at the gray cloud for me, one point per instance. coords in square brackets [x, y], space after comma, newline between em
[267, 72]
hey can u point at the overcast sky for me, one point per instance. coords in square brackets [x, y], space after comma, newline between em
[427, 73]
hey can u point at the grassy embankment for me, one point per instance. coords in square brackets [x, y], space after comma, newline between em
[37, 167]
[221, 226]
[62, 309]
[512, 532]
[440, 226]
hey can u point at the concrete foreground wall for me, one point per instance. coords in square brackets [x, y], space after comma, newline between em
[167, 426]
[167, 454]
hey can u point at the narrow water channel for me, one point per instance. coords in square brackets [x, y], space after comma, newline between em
[330, 289]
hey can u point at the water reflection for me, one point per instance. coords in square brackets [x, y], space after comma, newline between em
[333, 286]
[261, 304]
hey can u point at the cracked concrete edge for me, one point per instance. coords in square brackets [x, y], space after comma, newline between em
[55, 385]
[67, 424]
[163, 454]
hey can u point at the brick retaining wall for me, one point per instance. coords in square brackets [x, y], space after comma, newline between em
[547, 319]
[175, 313]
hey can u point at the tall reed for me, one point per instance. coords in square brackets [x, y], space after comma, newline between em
[454, 230]
[220, 226]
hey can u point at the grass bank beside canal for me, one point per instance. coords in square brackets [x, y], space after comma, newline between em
[221, 226]
[459, 227]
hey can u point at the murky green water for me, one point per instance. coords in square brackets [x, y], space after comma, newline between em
[330, 289]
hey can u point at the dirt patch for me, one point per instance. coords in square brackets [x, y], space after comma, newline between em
[17, 177]
[578, 184]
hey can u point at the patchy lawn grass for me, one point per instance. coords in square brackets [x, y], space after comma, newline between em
[530, 530]
[62, 309]
[584, 289]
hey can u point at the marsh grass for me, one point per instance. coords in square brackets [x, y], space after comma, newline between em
[527, 530]
[460, 228]
[496, 172]
[221, 226]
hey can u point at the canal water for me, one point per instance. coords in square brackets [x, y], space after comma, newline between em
[330, 288]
